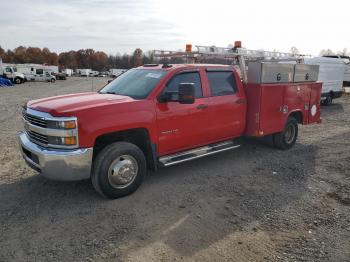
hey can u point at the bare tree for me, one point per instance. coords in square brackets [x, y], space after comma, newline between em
[344, 52]
[326, 52]
[294, 50]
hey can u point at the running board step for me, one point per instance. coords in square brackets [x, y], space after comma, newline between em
[197, 153]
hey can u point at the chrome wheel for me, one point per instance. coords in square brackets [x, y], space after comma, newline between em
[289, 134]
[122, 172]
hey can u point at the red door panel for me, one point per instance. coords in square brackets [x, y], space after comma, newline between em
[182, 126]
[226, 117]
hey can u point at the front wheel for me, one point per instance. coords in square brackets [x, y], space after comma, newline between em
[119, 170]
[18, 80]
[286, 139]
[53, 80]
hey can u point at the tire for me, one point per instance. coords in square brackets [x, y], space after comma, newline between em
[329, 100]
[53, 80]
[18, 81]
[129, 170]
[286, 139]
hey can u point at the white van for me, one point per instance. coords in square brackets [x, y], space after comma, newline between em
[331, 73]
[346, 61]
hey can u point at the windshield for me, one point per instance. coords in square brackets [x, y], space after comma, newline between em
[136, 83]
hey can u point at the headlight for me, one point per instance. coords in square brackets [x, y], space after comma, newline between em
[70, 124]
[68, 128]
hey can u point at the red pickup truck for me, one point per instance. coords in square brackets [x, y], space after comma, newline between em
[158, 115]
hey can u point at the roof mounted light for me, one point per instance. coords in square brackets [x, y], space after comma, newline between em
[188, 48]
[238, 44]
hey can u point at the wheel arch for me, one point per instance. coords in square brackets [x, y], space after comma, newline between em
[298, 115]
[137, 136]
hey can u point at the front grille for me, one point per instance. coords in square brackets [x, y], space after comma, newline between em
[38, 138]
[34, 120]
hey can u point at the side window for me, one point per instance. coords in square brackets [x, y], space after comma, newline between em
[39, 71]
[221, 83]
[8, 70]
[188, 77]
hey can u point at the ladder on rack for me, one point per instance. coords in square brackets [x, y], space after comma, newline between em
[236, 54]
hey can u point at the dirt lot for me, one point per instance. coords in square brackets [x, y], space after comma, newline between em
[251, 204]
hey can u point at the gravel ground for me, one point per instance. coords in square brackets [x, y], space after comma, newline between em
[255, 203]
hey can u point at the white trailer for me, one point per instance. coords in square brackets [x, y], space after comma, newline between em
[84, 72]
[67, 71]
[331, 73]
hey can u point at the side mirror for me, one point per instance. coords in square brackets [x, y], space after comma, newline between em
[186, 93]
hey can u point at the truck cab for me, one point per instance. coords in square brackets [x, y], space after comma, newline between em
[11, 73]
[155, 116]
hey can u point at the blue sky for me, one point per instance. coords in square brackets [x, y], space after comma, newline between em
[121, 25]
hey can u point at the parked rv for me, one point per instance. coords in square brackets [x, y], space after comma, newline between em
[331, 73]
[41, 76]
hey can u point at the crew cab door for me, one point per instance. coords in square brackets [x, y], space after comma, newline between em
[227, 105]
[182, 126]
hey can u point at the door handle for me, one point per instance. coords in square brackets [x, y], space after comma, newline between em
[202, 106]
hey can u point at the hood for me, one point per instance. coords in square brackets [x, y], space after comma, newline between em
[19, 74]
[68, 104]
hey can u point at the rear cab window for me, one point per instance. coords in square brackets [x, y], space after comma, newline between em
[221, 82]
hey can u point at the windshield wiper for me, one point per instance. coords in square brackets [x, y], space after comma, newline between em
[114, 93]
[109, 92]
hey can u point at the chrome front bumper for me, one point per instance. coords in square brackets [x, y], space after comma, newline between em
[64, 165]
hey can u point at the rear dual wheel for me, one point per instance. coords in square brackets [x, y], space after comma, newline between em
[328, 100]
[286, 139]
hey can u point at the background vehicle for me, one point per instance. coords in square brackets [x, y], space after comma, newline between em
[59, 76]
[11, 73]
[331, 74]
[94, 73]
[41, 75]
[161, 115]
[67, 71]
[84, 72]
[116, 72]
[346, 61]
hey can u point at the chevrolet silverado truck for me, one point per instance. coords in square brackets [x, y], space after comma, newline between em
[160, 115]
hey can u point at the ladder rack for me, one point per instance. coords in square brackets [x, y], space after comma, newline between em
[237, 55]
